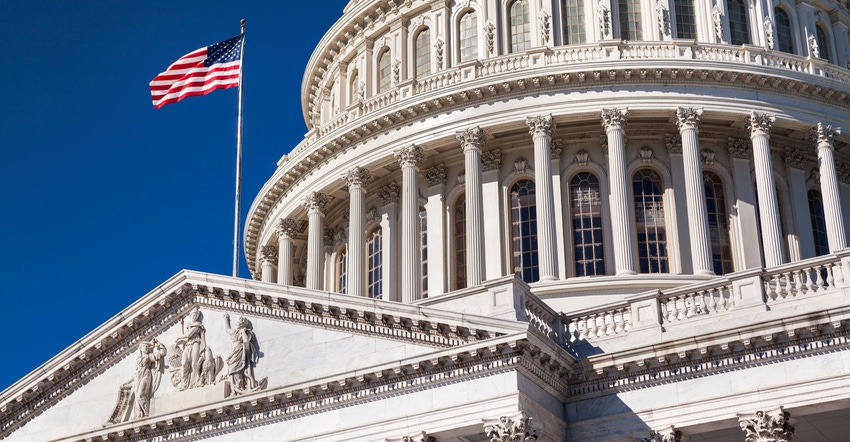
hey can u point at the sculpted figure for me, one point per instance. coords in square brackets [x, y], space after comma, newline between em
[243, 357]
[192, 362]
[137, 392]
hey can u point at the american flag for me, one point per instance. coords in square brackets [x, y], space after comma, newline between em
[199, 72]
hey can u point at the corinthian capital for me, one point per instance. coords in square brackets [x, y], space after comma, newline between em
[760, 124]
[738, 148]
[316, 202]
[472, 138]
[541, 125]
[825, 134]
[666, 435]
[287, 227]
[268, 254]
[521, 428]
[613, 119]
[491, 160]
[436, 175]
[409, 156]
[688, 117]
[389, 194]
[357, 177]
[767, 428]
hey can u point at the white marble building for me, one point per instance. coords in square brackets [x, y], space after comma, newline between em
[573, 220]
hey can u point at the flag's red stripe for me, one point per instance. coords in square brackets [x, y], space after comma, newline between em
[188, 77]
[191, 94]
[201, 82]
[194, 73]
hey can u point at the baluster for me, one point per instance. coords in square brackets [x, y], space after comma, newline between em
[618, 319]
[728, 289]
[839, 274]
[809, 284]
[591, 327]
[683, 311]
[627, 320]
[820, 281]
[712, 303]
[609, 329]
[692, 308]
[581, 327]
[671, 309]
[703, 301]
[830, 279]
[768, 289]
[777, 288]
[572, 331]
[798, 279]
[789, 285]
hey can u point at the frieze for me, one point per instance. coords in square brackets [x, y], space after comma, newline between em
[491, 160]
[134, 397]
[436, 175]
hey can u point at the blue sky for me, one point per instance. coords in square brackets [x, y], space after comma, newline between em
[102, 197]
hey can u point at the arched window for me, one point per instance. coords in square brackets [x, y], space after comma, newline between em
[384, 71]
[422, 53]
[423, 249]
[459, 241]
[354, 88]
[374, 267]
[686, 20]
[468, 37]
[818, 223]
[519, 26]
[341, 280]
[739, 28]
[524, 230]
[630, 23]
[718, 224]
[649, 218]
[823, 42]
[784, 38]
[586, 213]
[573, 21]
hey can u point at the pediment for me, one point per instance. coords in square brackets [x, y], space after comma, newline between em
[199, 340]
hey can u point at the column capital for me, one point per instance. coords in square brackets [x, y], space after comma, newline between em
[491, 160]
[688, 118]
[287, 227]
[673, 143]
[793, 158]
[436, 175]
[268, 254]
[316, 202]
[389, 194]
[614, 119]
[738, 148]
[541, 125]
[472, 138]
[824, 134]
[328, 237]
[521, 427]
[409, 156]
[760, 123]
[766, 428]
[357, 177]
[669, 434]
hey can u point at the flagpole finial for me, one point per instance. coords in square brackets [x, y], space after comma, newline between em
[242, 22]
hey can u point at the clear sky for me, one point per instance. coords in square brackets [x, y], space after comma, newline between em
[102, 197]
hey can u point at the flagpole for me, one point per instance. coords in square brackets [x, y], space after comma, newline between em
[236, 214]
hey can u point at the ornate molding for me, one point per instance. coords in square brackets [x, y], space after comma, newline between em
[673, 143]
[645, 154]
[491, 160]
[739, 148]
[357, 177]
[766, 428]
[287, 227]
[603, 12]
[556, 148]
[614, 119]
[760, 123]
[582, 157]
[489, 29]
[769, 32]
[519, 428]
[268, 253]
[438, 47]
[662, 12]
[389, 194]
[688, 118]
[409, 156]
[521, 165]
[717, 19]
[541, 125]
[707, 157]
[436, 175]
[793, 158]
[545, 20]
[472, 138]
[328, 237]
[316, 202]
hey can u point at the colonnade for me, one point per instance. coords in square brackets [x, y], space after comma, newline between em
[276, 265]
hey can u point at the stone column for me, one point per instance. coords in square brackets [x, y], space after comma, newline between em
[688, 120]
[491, 202]
[829, 188]
[541, 132]
[745, 224]
[436, 212]
[356, 180]
[471, 141]
[268, 263]
[285, 233]
[614, 122]
[389, 196]
[315, 203]
[771, 229]
[803, 245]
[409, 158]
[767, 427]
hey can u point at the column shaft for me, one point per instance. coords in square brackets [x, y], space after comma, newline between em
[355, 261]
[471, 141]
[771, 229]
[829, 189]
[315, 205]
[285, 233]
[411, 269]
[623, 228]
[541, 131]
[688, 120]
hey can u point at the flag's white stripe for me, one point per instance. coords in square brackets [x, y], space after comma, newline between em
[191, 79]
[211, 85]
[195, 69]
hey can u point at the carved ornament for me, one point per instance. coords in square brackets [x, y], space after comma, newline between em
[436, 175]
[521, 165]
[582, 157]
[707, 157]
[793, 158]
[614, 119]
[357, 177]
[438, 46]
[843, 172]
[603, 11]
[191, 362]
[673, 143]
[409, 156]
[556, 149]
[662, 12]
[767, 428]
[488, 31]
[540, 125]
[419, 437]
[268, 254]
[814, 49]
[316, 202]
[242, 359]
[545, 20]
[472, 138]
[667, 435]
[328, 237]
[491, 160]
[396, 70]
[287, 227]
[738, 148]
[461, 178]
[769, 32]
[826, 134]
[603, 144]
[645, 154]
[389, 194]
[760, 123]
[688, 118]
[134, 396]
[521, 428]
[717, 19]
[814, 176]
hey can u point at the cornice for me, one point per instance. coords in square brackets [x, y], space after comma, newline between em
[554, 78]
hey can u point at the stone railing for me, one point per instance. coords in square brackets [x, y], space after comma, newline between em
[334, 124]
[736, 294]
[543, 318]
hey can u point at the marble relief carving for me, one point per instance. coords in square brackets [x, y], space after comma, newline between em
[192, 364]
[520, 428]
[767, 428]
[243, 357]
[134, 396]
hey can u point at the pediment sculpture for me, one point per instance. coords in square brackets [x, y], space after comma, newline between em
[134, 397]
